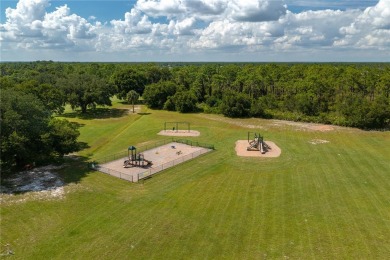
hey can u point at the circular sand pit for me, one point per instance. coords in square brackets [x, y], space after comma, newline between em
[241, 150]
[179, 133]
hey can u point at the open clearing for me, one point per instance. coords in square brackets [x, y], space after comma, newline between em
[325, 201]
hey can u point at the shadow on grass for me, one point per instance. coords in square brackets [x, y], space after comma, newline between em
[144, 114]
[75, 170]
[97, 113]
[77, 124]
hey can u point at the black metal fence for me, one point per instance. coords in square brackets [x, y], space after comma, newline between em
[170, 164]
[146, 147]
[121, 175]
[96, 164]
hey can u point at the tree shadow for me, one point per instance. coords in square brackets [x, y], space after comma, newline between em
[77, 124]
[97, 113]
[144, 114]
[82, 145]
[76, 169]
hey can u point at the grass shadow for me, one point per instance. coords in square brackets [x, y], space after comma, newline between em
[77, 124]
[144, 114]
[76, 169]
[82, 145]
[97, 113]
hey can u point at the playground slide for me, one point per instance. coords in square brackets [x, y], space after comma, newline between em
[261, 148]
[148, 162]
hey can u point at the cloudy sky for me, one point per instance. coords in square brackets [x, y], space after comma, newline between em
[195, 30]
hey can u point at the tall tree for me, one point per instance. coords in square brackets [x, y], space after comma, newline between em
[235, 104]
[129, 79]
[28, 133]
[132, 96]
[156, 94]
[86, 90]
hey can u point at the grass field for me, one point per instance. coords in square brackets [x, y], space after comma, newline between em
[324, 201]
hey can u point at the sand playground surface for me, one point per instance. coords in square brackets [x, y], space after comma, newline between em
[162, 157]
[179, 133]
[241, 150]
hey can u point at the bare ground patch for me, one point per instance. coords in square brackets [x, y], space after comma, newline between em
[179, 133]
[265, 124]
[241, 150]
[41, 183]
[304, 126]
[318, 141]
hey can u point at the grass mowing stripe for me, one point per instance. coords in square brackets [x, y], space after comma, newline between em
[274, 218]
[262, 236]
[142, 230]
[322, 198]
[307, 239]
[109, 211]
[332, 199]
[204, 193]
[153, 178]
[350, 195]
[252, 203]
[172, 176]
[363, 203]
[343, 211]
[377, 197]
[154, 208]
[284, 213]
[219, 215]
[298, 245]
[243, 210]
[371, 156]
[177, 244]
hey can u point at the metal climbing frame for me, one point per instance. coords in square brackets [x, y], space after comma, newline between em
[176, 126]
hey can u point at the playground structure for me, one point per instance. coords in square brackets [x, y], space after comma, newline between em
[176, 126]
[257, 143]
[134, 159]
[128, 165]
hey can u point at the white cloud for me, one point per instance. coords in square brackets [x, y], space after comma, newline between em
[182, 27]
[257, 10]
[31, 27]
[157, 8]
[314, 28]
[185, 27]
[205, 7]
[370, 28]
[135, 23]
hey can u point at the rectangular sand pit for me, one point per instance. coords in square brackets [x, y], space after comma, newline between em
[162, 157]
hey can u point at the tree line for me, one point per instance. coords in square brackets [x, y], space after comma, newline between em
[32, 93]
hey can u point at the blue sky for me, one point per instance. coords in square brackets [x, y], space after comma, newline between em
[195, 30]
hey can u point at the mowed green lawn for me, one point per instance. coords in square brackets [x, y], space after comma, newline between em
[323, 201]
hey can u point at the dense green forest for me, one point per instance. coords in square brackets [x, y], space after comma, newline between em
[32, 93]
